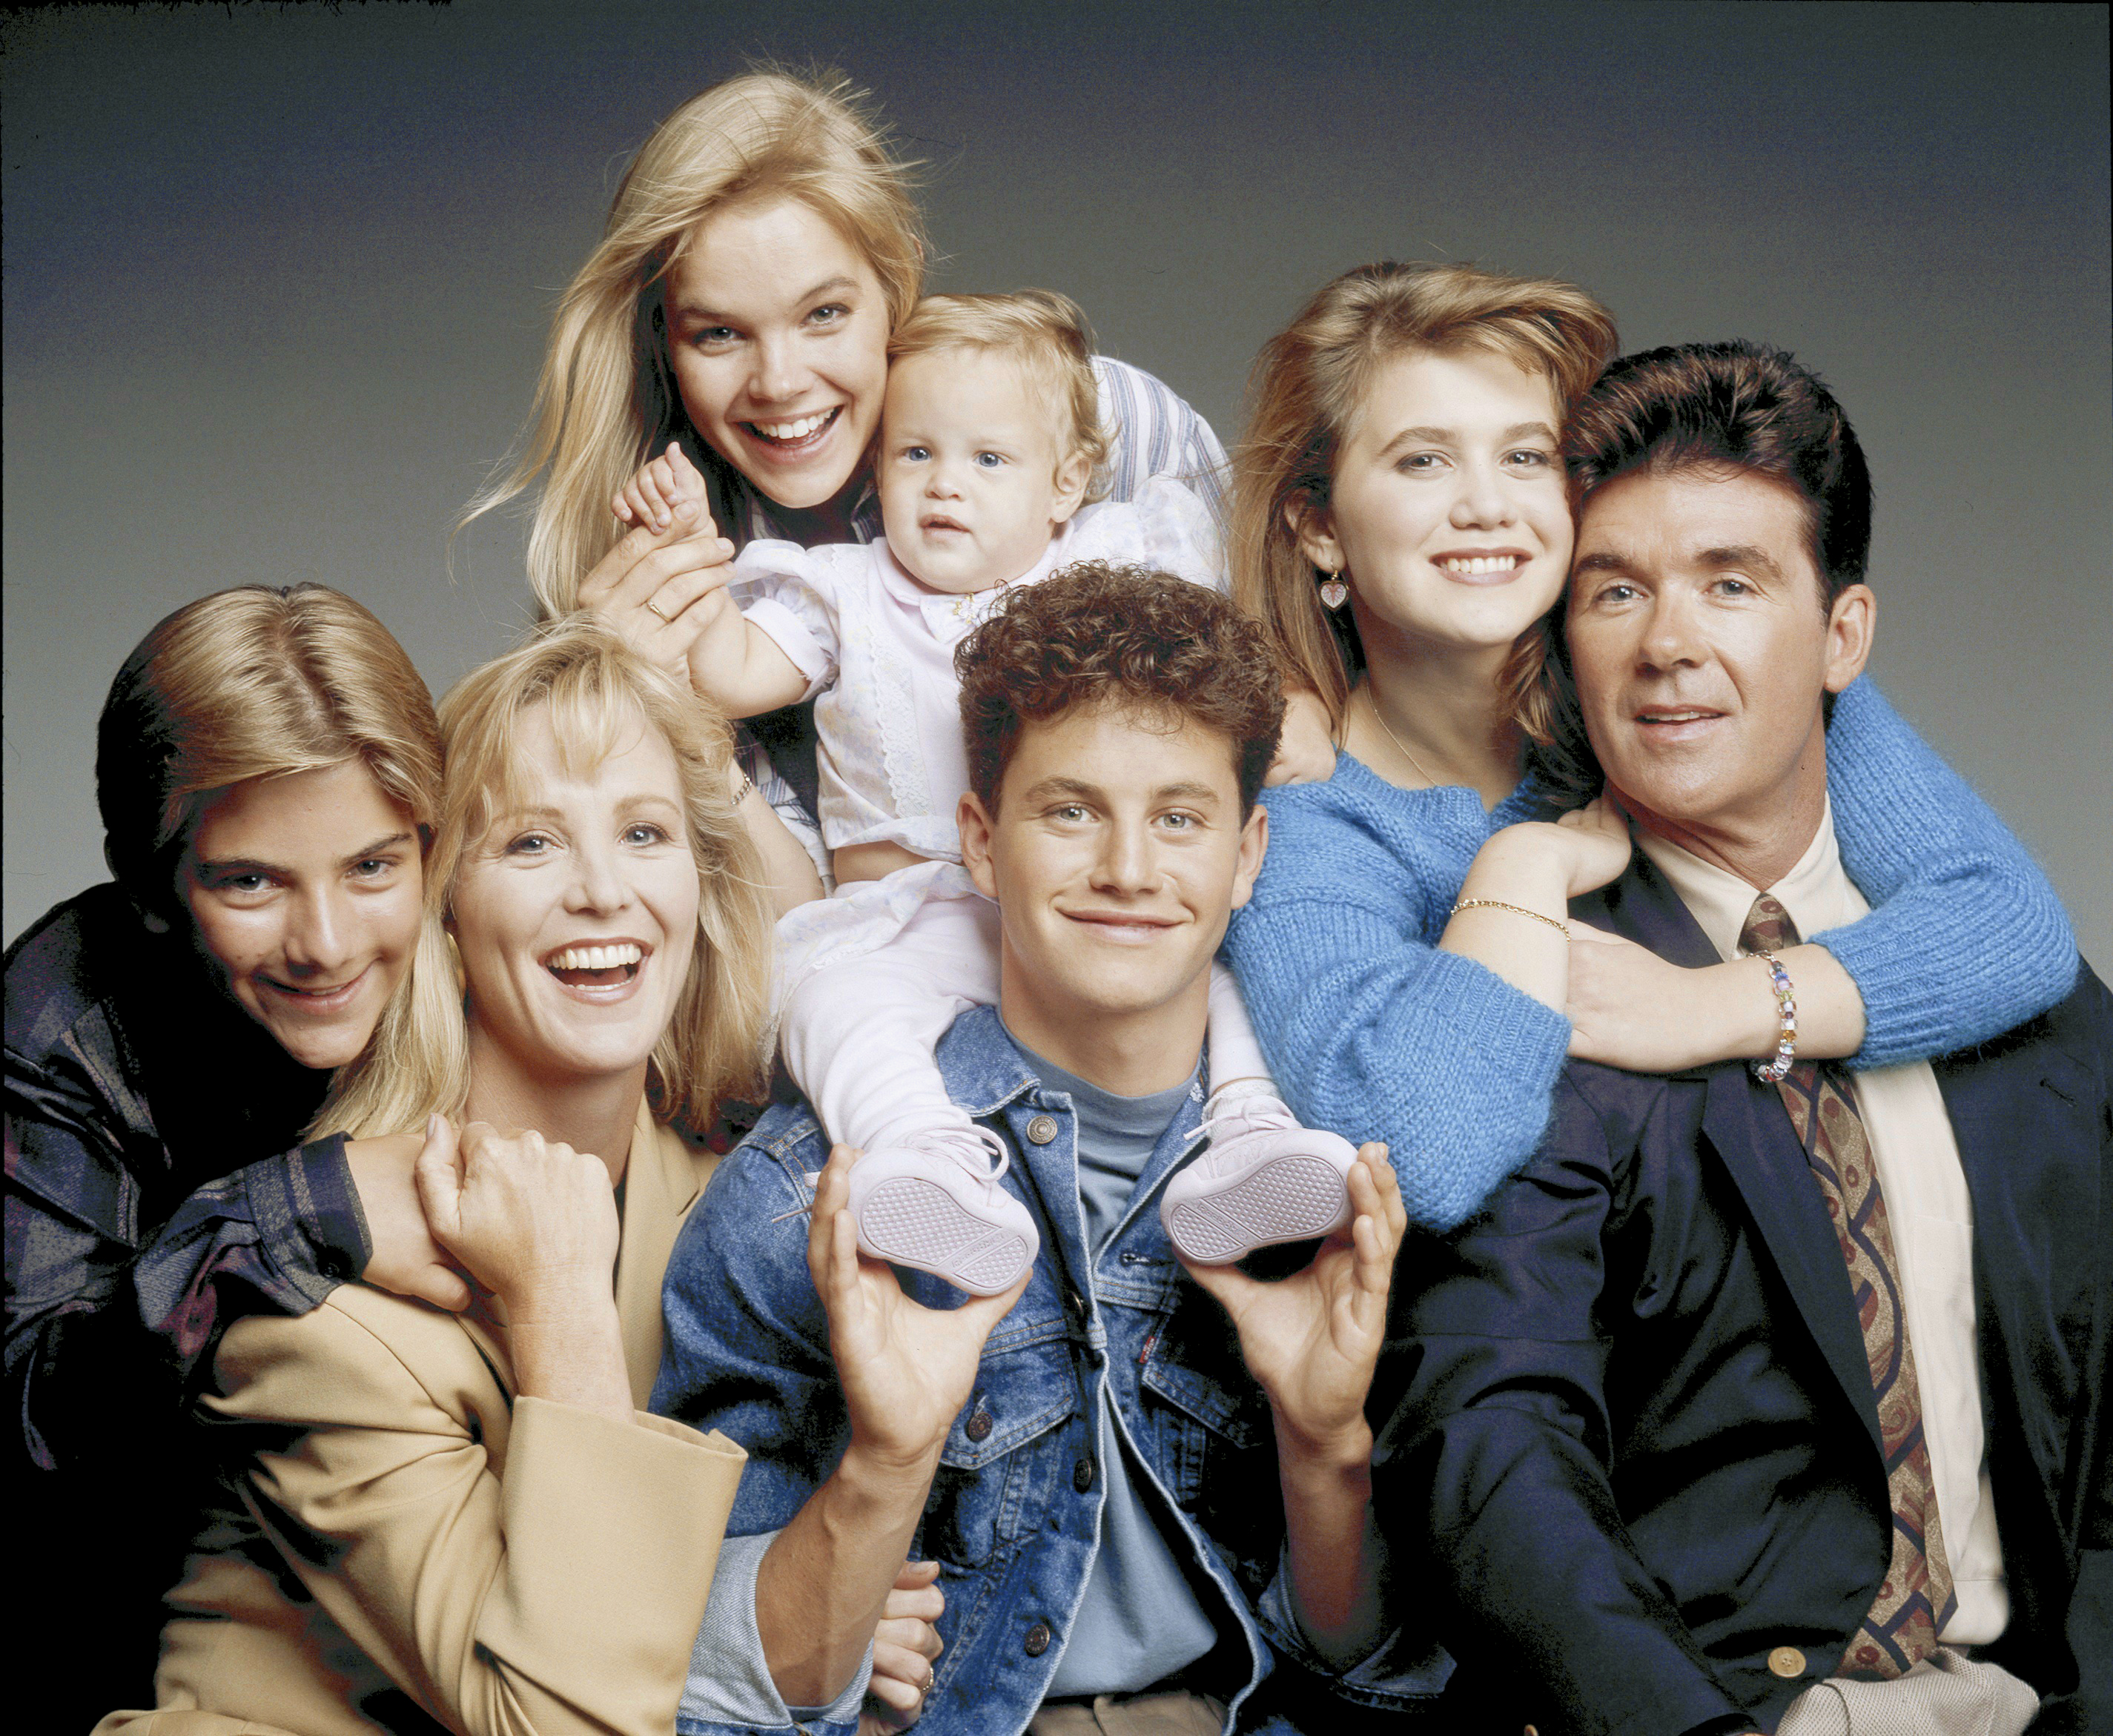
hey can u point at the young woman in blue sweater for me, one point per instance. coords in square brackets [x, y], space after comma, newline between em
[1403, 527]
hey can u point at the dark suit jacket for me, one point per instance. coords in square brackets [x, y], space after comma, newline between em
[1629, 1446]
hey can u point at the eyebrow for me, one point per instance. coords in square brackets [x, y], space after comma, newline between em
[1188, 790]
[1739, 554]
[259, 865]
[1426, 436]
[712, 317]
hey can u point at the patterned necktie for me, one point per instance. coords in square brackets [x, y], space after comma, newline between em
[1916, 1600]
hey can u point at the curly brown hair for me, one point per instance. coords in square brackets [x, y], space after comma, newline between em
[1097, 633]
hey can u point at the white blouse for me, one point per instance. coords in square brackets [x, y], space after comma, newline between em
[877, 647]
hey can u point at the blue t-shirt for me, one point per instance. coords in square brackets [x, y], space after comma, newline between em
[1139, 1621]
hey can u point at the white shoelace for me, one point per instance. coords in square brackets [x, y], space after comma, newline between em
[966, 1147]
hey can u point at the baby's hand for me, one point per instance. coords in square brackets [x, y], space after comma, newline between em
[1306, 751]
[662, 484]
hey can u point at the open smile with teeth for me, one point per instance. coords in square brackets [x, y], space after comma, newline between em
[1479, 565]
[1672, 714]
[595, 967]
[803, 430]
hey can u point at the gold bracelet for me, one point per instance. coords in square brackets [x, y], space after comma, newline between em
[1498, 904]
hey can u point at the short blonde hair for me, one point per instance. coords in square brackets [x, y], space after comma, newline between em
[599, 692]
[607, 398]
[1047, 334]
[1308, 385]
[252, 683]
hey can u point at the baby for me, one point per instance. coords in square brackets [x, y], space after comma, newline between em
[990, 440]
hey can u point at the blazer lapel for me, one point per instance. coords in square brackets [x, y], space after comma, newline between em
[663, 1178]
[1746, 1124]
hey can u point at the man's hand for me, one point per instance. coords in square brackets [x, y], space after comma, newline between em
[1314, 1339]
[905, 1651]
[906, 1369]
[1306, 750]
[406, 1259]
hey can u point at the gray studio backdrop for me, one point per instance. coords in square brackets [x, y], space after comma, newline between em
[276, 282]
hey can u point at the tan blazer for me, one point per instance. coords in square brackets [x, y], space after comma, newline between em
[410, 1535]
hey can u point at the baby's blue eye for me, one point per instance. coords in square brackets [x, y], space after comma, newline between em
[916, 454]
[988, 460]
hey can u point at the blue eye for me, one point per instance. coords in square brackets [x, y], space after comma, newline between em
[916, 454]
[643, 833]
[988, 460]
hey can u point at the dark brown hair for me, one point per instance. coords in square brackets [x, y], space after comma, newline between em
[1705, 408]
[1732, 407]
[1095, 634]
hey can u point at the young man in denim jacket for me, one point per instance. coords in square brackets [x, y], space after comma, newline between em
[1141, 1496]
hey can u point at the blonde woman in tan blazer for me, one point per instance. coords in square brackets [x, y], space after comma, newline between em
[471, 1519]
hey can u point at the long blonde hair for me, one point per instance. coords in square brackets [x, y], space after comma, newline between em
[599, 691]
[1309, 383]
[606, 399]
[254, 683]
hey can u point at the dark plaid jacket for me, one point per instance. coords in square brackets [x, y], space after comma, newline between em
[141, 1210]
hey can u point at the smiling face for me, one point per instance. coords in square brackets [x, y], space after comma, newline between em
[576, 915]
[1447, 509]
[1702, 651]
[778, 337]
[972, 484]
[1118, 853]
[304, 895]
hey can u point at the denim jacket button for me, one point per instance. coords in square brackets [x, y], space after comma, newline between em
[1037, 1639]
[1082, 1476]
[978, 1428]
[1042, 1129]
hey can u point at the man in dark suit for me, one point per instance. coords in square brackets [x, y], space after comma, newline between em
[1768, 1396]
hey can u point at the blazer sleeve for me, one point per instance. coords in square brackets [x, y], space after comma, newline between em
[1966, 939]
[558, 1595]
[1495, 1468]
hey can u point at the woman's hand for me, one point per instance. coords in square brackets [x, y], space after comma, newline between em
[906, 1369]
[1314, 1339]
[1630, 1008]
[660, 589]
[905, 1651]
[1306, 751]
[532, 1221]
[405, 1260]
[1594, 841]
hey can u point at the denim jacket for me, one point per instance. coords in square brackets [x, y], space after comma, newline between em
[1014, 1514]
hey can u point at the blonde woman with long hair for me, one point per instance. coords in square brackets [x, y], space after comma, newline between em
[267, 771]
[471, 1517]
[1404, 529]
[763, 245]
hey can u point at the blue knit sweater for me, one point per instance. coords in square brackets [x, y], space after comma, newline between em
[1374, 1032]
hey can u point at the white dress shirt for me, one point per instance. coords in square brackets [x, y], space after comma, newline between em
[1927, 1204]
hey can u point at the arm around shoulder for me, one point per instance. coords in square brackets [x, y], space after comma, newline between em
[1966, 937]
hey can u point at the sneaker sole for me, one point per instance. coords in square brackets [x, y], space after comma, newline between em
[918, 1223]
[1289, 1199]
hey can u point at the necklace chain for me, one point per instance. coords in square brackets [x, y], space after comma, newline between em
[1372, 705]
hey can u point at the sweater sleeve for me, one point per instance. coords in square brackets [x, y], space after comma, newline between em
[1965, 938]
[1372, 1032]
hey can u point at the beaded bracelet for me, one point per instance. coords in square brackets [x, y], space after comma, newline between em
[1771, 1073]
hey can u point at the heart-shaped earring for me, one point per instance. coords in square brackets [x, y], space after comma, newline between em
[1334, 592]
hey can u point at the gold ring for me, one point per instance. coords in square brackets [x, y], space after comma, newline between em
[931, 1675]
[662, 618]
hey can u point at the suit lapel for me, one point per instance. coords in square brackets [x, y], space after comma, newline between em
[1746, 1124]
